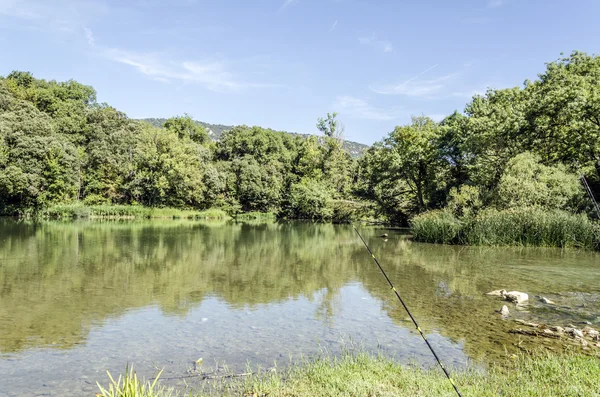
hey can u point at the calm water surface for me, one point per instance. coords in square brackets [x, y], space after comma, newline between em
[77, 299]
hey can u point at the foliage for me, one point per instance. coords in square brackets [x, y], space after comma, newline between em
[358, 374]
[309, 200]
[215, 131]
[78, 210]
[523, 226]
[184, 126]
[438, 226]
[526, 182]
[130, 386]
[510, 149]
[465, 201]
[405, 173]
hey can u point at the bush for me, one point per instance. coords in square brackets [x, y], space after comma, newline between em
[310, 200]
[526, 182]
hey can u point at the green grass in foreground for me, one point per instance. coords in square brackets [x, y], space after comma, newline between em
[71, 211]
[517, 226]
[361, 374]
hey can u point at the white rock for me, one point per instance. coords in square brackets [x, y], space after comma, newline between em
[504, 311]
[589, 331]
[574, 332]
[499, 292]
[547, 301]
[516, 297]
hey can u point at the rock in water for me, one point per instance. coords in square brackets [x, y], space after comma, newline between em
[504, 311]
[499, 292]
[384, 235]
[516, 297]
[547, 301]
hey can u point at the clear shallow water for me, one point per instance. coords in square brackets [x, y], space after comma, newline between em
[77, 299]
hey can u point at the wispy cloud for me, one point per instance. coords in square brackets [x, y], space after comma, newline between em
[374, 42]
[415, 86]
[358, 108]
[213, 75]
[495, 3]
[286, 4]
[61, 15]
[333, 26]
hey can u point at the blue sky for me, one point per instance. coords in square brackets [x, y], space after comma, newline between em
[283, 63]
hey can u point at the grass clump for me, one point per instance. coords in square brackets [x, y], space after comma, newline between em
[130, 385]
[437, 226]
[539, 374]
[363, 374]
[527, 226]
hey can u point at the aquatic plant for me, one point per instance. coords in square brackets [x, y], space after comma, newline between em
[129, 385]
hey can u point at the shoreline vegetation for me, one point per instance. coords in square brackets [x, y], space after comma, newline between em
[526, 226]
[362, 374]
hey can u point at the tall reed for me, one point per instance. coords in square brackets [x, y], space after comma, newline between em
[527, 226]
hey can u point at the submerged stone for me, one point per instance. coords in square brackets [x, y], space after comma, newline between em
[547, 301]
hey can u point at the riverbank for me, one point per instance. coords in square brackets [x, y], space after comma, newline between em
[362, 374]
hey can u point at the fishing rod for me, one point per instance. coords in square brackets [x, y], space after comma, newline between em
[589, 192]
[408, 311]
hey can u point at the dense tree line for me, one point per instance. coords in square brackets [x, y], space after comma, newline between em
[514, 147]
[58, 145]
[510, 147]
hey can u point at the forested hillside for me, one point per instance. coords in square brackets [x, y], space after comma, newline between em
[511, 148]
[215, 131]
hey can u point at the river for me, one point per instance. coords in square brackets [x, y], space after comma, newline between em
[80, 298]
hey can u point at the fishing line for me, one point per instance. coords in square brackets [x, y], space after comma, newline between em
[409, 313]
[589, 192]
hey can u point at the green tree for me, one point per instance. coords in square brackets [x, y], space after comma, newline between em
[38, 167]
[329, 126]
[184, 126]
[565, 113]
[405, 172]
[527, 182]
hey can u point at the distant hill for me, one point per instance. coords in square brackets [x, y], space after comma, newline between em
[215, 131]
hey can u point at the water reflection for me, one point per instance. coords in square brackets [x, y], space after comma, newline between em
[65, 286]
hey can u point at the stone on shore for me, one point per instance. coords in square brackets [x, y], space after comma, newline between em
[591, 332]
[504, 311]
[557, 329]
[516, 297]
